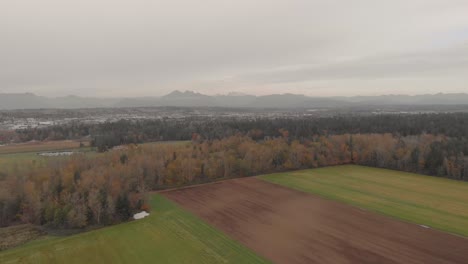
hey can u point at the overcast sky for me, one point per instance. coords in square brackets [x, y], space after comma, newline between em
[111, 48]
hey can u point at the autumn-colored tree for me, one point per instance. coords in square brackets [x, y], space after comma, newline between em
[103, 189]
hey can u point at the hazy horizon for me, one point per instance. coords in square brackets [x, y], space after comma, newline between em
[139, 48]
[229, 93]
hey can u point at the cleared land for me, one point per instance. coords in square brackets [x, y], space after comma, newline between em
[169, 235]
[288, 226]
[21, 159]
[17, 235]
[25, 153]
[435, 202]
[37, 146]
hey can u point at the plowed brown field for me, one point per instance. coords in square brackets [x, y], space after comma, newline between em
[288, 226]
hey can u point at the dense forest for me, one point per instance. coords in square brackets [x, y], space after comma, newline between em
[106, 135]
[106, 188]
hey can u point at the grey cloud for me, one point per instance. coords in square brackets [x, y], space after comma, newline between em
[143, 47]
[423, 64]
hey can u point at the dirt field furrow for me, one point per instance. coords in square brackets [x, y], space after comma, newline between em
[288, 226]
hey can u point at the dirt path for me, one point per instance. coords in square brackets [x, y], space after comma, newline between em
[287, 226]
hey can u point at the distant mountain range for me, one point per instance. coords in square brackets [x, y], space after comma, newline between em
[194, 99]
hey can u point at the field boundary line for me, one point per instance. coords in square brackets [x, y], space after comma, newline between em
[420, 225]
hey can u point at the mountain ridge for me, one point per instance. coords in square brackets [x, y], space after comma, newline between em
[9, 101]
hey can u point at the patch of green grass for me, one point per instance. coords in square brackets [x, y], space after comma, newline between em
[7, 161]
[41, 146]
[169, 235]
[17, 161]
[436, 202]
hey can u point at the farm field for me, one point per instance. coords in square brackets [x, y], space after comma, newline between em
[295, 217]
[289, 226]
[431, 201]
[20, 159]
[26, 153]
[24, 158]
[39, 146]
[169, 235]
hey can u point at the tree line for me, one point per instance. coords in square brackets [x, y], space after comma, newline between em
[106, 135]
[106, 188]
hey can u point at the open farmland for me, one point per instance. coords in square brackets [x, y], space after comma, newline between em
[168, 235]
[27, 153]
[24, 154]
[431, 201]
[38, 146]
[289, 226]
[20, 159]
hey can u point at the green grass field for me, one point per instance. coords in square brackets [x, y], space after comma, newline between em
[168, 235]
[24, 158]
[436, 202]
[40, 146]
[20, 158]
[21, 154]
